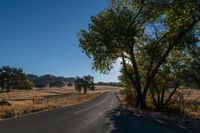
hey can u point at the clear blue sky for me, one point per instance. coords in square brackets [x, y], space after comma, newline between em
[40, 36]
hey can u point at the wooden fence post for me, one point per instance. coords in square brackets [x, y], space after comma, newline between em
[33, 101]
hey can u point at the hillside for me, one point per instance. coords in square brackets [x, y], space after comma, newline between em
[45, 80]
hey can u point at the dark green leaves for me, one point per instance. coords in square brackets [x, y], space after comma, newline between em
[109, 35]
[86, 82]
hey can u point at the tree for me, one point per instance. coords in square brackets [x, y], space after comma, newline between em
[121, 32]
[78, 83]
[166, 80]
[85, 83]
[57, 84]
[69, 84]
[13, 78]
[191, 73]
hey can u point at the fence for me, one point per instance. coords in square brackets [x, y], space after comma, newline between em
[56, 99]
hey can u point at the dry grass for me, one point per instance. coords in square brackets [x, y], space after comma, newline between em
[189, 119]
[189, 102]
[19, 108]
[36, 92]
[185, 101]
[100, 88]
[29, 101]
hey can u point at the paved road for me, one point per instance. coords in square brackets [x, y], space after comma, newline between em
[87, 117]
[101, 115]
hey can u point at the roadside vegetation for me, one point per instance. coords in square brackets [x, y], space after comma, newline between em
[85, 83]
[14, 78]
[157, 43]
[29, 101]
[22, 102]
[22, 94]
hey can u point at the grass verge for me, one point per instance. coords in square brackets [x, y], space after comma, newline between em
[189, 121]
[26, 107]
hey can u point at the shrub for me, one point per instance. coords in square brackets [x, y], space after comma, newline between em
[130, 97]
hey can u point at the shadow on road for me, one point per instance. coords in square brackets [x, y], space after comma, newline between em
[124, 121]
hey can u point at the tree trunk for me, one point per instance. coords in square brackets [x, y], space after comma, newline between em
[142, 102]
[133, 84]
[172, 93]
[197, 81]
[154, 98]
[84, 90]
[8, 88]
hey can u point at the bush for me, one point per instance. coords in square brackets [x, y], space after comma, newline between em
[57, 84]
[130, 97]
[69, 84]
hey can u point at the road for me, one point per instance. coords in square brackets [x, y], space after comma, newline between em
[87, 117]
[101, 115]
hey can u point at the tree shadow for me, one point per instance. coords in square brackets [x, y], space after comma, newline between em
[125, 121]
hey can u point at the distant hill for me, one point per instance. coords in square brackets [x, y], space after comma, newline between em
[109, 83]
[46, 80]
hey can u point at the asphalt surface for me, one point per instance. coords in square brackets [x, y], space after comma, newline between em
[101, 115]
[89, 117]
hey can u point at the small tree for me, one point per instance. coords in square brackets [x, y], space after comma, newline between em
[85, 83]
[69, 84]
[78, 84]
[57, 84]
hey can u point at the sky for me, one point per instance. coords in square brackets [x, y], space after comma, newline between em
[40, 36]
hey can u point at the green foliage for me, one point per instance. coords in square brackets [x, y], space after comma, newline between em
[86, 82]
[78, 84]
[108, 37]
[57, 84]
[130, 97]
[191, 73]
[121, 31]
[124, 80]
[69, 84]
[13, 78]
[117, 84]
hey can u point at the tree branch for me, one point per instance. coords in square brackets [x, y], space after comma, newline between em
[170, 47]
[153, 55]
[175, 88]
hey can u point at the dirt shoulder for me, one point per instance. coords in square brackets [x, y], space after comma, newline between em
[178, 122]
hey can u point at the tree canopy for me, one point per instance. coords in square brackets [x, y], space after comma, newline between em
[144, 35]
[85, 83]
[14, 78]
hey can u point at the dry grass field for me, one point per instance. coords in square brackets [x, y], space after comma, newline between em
[188, 100]
[36, 92]
[29, 101]
[188, 117]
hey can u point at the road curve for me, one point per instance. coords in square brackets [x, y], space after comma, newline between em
[89, 117]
